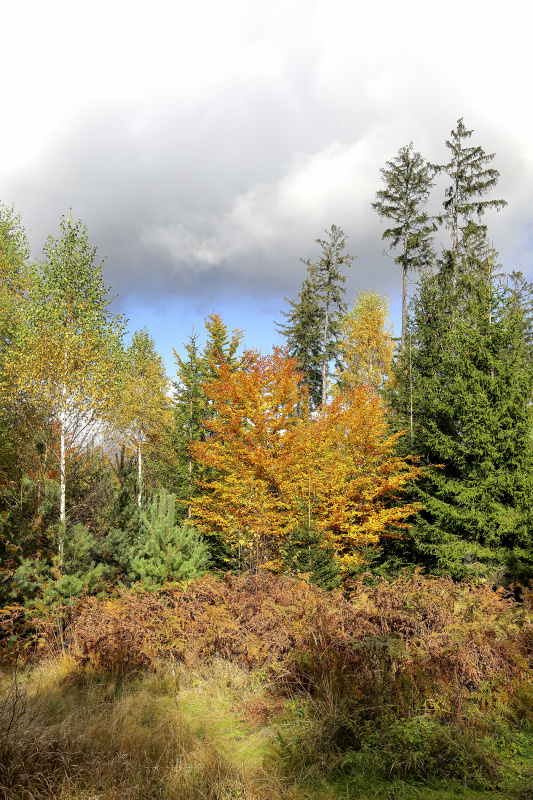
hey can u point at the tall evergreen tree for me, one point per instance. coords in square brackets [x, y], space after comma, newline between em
[313, 330]
[305, 320]
[408, 181]
[468, 383]
[472, 179]
[191, 407]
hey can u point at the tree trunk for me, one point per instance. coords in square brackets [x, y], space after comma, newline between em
[62, 505]
[325, 358]
[139, 473]
[404, 300]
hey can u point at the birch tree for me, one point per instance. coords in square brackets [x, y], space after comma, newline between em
[145, 402]
[66, 352]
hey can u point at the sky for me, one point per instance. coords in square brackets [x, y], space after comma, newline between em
[207, 145]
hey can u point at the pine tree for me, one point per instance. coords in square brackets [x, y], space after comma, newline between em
[471, 179]
[313, 329]
[468, 383]
[408, 181]
[166, 551]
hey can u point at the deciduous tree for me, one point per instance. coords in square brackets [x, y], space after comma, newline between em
[366, 342]
[271, 460]
[65, 354]
[145, 401]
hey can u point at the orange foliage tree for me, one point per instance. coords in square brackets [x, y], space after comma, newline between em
[249, 453]
[273, 461]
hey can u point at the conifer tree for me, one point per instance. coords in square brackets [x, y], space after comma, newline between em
[192, 406]
[408, 181]
[467, 384]
[166, 551]
[472, 179]
[313, 329]
[304, 322]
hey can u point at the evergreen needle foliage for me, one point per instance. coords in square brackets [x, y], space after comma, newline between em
[466, 380]
[166, 551]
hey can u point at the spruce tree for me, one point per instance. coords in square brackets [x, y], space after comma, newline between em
[304, 322]
[305, 552]
[191, 409]
[314, 322]
[467, 385]
[408, 181]
[472, 179]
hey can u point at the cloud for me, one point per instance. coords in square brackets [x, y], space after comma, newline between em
[207, 147]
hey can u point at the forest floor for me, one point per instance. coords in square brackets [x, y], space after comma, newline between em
[416, 689]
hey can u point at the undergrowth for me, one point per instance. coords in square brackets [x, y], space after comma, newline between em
[267, 687]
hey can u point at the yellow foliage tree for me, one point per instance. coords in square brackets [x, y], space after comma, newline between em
[248, 450]
[146, 407]
[346, 469]
[67, 348]
[366, 342]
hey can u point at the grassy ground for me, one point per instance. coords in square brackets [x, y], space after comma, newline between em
[418, 690]
[180, 734]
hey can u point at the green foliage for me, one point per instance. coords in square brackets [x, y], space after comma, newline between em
[305, 553]
[45, 582]
[313, 327]
[467, 375]
[408, 180]
[302, 332]
[166, 551]
[471, 180]
[180, 472]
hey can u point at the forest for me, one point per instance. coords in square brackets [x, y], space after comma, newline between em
[297, 574]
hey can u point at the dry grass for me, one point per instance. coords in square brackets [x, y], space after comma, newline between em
[70, 735]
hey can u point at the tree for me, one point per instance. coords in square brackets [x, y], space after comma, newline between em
[302, 335]
[408, 181]
[346, 469]
[66, 352]
[146, 406]
[314, 322]
[273, 461]
[166, 551]
[247, 455]
[471, 179]
[192, 405]
[470, 382]
[366, 342]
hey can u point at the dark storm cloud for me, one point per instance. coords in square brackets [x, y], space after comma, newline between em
[219, 196]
